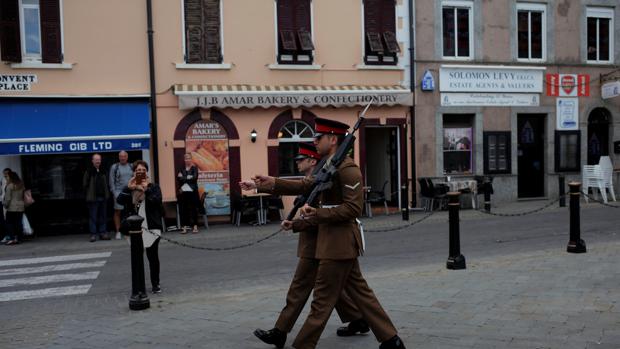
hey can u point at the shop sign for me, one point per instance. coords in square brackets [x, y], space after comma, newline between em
[17, 82]
[55, 147]
[207, 141]
[428, 82]
[568, 85]
[490, 79]
[248, 99]
[610, 90]
[490, 100]
[567, 114]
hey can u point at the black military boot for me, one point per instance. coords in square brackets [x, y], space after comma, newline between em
[353, 328]
[393, 343]
[273, 336]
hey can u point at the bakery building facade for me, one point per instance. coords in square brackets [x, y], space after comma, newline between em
[241, 106]
[520, 91]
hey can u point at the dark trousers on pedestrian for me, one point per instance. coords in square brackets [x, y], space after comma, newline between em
[97, 216]
[299, 292]
[3, 230]
[14, 225]
[152, 254]
[332, 278]
[189, 208]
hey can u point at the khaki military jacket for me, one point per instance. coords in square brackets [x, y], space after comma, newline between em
[338, 236]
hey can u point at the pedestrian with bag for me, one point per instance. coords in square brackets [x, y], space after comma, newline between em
[120, 174]
[143, 198]
[13, 202]
[95, 186]
[187, 196]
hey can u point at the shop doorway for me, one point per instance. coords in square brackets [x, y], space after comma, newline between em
[531, 155]
[598, 135]
[382, 170]
[56, 184]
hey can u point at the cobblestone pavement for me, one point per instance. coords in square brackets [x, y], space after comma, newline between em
[520, 289]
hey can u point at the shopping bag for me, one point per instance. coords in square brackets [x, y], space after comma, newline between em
[26, 227]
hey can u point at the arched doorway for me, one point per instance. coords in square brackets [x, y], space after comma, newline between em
[598, 134]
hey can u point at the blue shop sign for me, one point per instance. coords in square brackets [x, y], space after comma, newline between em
[428, 82]
[34, 126]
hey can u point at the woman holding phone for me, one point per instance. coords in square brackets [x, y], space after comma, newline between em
[142, 197]
[187, 180]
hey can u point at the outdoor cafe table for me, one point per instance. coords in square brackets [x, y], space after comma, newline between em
[458, 185]
[262, 213]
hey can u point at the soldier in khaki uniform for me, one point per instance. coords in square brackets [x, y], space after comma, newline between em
[307, 266]
[338, 244]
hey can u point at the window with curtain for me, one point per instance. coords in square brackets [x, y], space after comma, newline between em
[531, 31]
[600, 34]
[457, 23]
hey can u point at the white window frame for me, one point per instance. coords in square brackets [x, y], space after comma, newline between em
[295, 138]
[186, 65]
[22, 24]
[601, 12]
[529, 7]
[312, 65]
[469, 5]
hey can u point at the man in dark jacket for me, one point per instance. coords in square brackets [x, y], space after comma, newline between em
[95, 186]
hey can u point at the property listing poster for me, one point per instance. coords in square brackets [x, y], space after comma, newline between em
[207, 141]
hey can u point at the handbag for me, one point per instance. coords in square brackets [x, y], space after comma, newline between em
[28, 200]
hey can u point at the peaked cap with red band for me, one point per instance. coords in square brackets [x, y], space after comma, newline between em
[307, 150]
[326, 126]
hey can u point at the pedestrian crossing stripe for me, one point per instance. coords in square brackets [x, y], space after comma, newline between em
[39, 260]
[13, 275]
[44, 293]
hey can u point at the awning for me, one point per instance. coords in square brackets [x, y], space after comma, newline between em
[72, 126]
[267, 96]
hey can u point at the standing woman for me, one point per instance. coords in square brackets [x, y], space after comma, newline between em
[13, 202]
[142, 197]
[187, 180]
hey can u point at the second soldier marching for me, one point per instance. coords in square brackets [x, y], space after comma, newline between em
[338, 243]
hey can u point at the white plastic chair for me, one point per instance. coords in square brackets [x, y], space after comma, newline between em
[592, 177]
[607, 172]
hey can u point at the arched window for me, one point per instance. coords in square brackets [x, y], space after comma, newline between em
[289, 136]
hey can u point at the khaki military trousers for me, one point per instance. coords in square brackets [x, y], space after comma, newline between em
[299, 292]
[334, 276]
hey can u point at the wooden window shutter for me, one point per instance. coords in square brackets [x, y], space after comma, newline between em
[286, 24]
[388, 25]
[372, 16]
[10, 42]
[212, 31]
[194, 34]
[302, 16]
[51, 47]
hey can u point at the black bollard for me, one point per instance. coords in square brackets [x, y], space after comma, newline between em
[487, 194]
[562, 191]
[456, 260]
[575, 244]
[139, 300]
[404, 199]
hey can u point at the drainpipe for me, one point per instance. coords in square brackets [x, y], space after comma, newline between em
[412, 108]
[154, 143]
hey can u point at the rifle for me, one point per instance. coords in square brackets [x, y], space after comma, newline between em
[323, 174]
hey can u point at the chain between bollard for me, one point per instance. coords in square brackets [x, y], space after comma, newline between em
[599, 201]
[551, 203]
[400, 227]
[230, 248]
